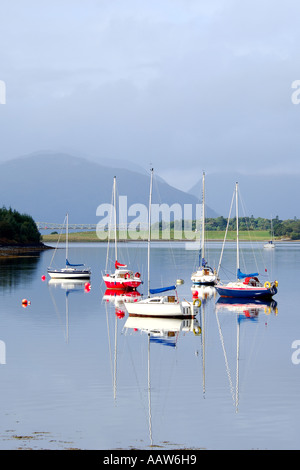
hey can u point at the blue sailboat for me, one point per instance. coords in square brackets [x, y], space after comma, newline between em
[246, 285]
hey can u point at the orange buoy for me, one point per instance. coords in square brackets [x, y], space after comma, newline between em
[25, 303]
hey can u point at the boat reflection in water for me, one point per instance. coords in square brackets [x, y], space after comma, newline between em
[119, 298]
[69, 286]
[244, 311]
[162, 330]
[203, 292]
[159, 332]
[248, 307]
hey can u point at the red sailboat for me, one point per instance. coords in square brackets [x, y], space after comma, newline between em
[123, 278]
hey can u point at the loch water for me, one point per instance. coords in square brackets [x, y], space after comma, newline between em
[76, 375]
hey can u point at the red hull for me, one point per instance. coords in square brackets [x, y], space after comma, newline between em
[122, 285]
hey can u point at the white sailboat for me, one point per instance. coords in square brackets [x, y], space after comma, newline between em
[205, 274]
[159, 305]
[122, 278]
[70, 271]
[270, 245]
[246, 285]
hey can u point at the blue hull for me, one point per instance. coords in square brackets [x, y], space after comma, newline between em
[260, 293]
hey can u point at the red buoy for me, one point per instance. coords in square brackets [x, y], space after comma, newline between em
[87, 287]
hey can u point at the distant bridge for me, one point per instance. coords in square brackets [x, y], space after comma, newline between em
[53, 226]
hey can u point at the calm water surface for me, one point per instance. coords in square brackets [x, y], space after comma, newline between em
[75, 374]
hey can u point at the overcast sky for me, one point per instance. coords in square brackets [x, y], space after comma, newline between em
[184, 84]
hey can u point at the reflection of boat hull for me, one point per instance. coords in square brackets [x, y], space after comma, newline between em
[162, 330]
[66, 284]
[239, 290]
[245, 301]
[116, 295]
[246, 305]
[69, 273]
[203, 292]
[160, 307]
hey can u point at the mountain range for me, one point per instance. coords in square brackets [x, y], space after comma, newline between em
[46, 185]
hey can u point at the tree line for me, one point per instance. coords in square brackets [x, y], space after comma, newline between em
[18, 228]
[289, 228]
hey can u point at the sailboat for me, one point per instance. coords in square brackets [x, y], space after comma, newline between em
[70, 271]
[246, 285]
[160, 305]
[122, 278]
[204, 274]
[270, 244]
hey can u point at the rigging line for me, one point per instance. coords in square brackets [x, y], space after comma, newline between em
[171, 375]
[169, 242]
[125, 246]
[109, 345]
[228, 220]
[109, 232]
[225, 357]
[253, 352]
[57, 311]
[227, 272]
[249, 234]
[139, 388]
[58, 240]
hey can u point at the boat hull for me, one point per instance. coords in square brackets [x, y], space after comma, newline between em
[203, 282]
[246, 292]
[150, 309]
[122, 285]
[205, 277]
[69, 274]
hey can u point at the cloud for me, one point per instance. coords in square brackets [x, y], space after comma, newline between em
[187, 85]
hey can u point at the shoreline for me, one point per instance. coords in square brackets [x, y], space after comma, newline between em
[12, 251]
[145, 240]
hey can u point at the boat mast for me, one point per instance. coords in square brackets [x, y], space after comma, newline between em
[149, 230]
[115, 217]
[67, 236]
[203, 218]
[237, 228]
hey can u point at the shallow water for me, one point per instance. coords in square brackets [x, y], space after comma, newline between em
[74, 376]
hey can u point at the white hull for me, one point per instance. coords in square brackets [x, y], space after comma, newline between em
[269, 246]
[69, 274]
[160, 307]
[200, 277]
